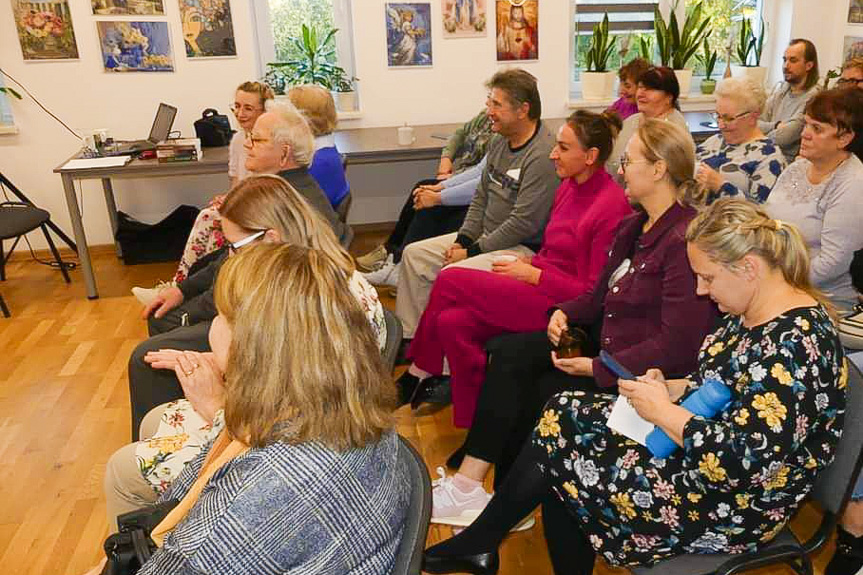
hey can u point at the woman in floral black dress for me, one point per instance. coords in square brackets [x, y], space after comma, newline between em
[739, 476]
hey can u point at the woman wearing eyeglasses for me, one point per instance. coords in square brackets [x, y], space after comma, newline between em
[260, 209]
[643, 310]
[740, 160]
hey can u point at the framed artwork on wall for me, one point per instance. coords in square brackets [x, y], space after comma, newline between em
[207, 28]
[855, 12]
[128, 7]
[135, 46]
[852, 48]
[517, 30]
[464, 18]
[409, 41]
[45, 30]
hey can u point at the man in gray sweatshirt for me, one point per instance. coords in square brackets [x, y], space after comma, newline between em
[782, 118]
[511, 205]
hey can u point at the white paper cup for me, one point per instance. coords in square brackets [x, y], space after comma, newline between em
[504, 258]
[406, 136]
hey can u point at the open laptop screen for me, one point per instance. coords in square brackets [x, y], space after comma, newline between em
[163, 123]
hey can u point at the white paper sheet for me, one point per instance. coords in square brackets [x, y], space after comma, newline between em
[626, 421]
[89, 163]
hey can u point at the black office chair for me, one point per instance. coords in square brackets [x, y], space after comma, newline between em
[409, 554]
[832, 491]
[394, 339]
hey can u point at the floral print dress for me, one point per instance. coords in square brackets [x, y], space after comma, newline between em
[739, 477]
[182, 433]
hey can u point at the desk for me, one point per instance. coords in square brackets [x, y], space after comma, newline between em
[360, 146]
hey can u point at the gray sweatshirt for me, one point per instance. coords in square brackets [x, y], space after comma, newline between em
[785, 106]
[513, 200]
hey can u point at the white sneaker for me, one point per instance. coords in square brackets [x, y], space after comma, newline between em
[147, 295]
[450, 506]
[386, 275]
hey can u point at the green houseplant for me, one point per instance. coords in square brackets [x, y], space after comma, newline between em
[597, 82]
[748, 51]
[645, 47]
[708, 60]
[678, 44]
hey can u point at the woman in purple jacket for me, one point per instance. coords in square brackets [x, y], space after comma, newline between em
[643, 310]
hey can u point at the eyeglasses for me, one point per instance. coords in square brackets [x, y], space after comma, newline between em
[237, 108]
[846, 82]
[625, 161]
[254, 140]
[727, 119]
[233, 247]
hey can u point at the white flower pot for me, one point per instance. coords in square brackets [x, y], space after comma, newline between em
[346, 101]
[684, 79]
[756, 74]
[597, 85]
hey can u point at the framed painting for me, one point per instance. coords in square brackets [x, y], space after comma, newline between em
[128, 7]
[855, 12]
[464, 18]
[517, 30]
[45, 30]
[207, 28]
[852, 48]
[409, 41]
[135, 46]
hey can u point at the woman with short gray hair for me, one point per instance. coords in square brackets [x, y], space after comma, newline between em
[740, 160]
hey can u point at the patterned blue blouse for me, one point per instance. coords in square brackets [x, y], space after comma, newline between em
[749, 169]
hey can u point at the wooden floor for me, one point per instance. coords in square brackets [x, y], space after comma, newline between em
[64, 408]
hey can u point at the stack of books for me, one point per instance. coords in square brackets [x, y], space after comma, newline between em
[181, 150]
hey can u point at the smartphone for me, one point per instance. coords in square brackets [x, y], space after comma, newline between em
[614, 366]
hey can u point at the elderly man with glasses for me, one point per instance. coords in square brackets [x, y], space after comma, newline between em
[740, 160]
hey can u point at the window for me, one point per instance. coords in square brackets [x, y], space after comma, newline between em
[632, 20]
[277, 21]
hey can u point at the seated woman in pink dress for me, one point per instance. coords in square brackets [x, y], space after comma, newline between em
[468, 307]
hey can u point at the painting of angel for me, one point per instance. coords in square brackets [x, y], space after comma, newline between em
[517, 30]
[463, 18]
[408, 34]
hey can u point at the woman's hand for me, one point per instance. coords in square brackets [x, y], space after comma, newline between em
[444, 169]
[163, 358]
[579, 366]
[165, 301]
[202, 382]
[676, 387]
[648, 396]
[519, 270]
[426, 198]
[708, 177]
[556, 326]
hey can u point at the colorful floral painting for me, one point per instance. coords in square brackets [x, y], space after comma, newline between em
[517, 30]
[135, 46]
[409, 34]
[463, 18]
[207, 28]
[45, 30]
[853, 47]
[128, 7]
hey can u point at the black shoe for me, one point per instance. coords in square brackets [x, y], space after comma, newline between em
[454, 460]
[479, 564]
[407, 387]
[848, 559]
[434, 390]
[402, 353]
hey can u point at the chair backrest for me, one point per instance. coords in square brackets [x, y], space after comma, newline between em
[394, 339]
[835, 484]
[344, 207]
[410, 551]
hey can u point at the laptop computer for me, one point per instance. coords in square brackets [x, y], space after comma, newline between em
[158, 132]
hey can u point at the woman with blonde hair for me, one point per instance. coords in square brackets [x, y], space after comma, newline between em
[306, 466]
[316, 103]
[734, 478]
[260, 209]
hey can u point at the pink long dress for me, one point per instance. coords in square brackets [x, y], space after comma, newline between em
[468, 307]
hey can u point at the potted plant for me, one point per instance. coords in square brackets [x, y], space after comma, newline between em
[708, 60]
[645, 47]
[597, 83]
[678, 44]
[748, 51]
[315, 65]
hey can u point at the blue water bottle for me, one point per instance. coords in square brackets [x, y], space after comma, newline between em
[712, 397]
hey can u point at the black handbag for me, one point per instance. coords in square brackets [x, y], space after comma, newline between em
[129, 549]
[213, 129]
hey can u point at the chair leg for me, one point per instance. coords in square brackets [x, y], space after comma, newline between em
[2, 263]
[56, 254]
[3, 308]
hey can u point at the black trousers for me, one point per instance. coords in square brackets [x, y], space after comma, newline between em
[148, 387]
[415, 225]
[520, 379]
